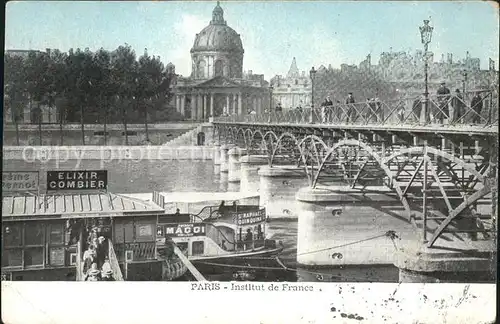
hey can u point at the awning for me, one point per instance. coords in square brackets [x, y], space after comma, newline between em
[73, 206]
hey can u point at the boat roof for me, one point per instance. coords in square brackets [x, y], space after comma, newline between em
[193, 197]
[79, 205]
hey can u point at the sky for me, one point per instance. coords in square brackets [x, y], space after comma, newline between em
[273, 32]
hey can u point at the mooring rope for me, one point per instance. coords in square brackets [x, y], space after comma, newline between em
[390, 234]
[319, 275]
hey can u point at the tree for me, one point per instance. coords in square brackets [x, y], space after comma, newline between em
[104, 87]
[15, 89]
[123, 74]
[57, 86]
[38, 84]
[150, 83]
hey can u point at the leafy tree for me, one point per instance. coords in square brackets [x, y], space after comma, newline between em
[38, 84]
[123, 75]
[15, 89]
[104, 87]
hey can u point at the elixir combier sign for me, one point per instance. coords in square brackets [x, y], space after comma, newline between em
[77, 180]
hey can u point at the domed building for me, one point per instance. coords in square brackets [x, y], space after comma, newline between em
[217, 84]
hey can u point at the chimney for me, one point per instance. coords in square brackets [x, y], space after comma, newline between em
[249, 72]
[450, 58]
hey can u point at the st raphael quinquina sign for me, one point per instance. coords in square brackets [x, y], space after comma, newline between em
[77, 180]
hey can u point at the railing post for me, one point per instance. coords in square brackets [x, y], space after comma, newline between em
[424, 192]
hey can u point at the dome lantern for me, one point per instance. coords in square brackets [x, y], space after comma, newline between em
[218, 15]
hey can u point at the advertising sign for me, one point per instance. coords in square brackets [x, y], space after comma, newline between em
[250, 217]
[182, 230]
[77, 180]
[19, 181]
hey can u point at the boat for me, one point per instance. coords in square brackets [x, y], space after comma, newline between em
[45, 237]
[229, 229]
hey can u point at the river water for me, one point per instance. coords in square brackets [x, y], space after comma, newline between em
[126, 176]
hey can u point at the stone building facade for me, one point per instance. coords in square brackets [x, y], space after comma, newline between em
[217, 84]
[292, 91]
[404, 68]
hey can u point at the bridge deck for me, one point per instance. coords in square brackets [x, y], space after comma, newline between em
[470, 130]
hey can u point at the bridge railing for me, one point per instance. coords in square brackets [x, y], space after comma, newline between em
[451, 110]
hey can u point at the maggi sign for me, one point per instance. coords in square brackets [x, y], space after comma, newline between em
[14, 181]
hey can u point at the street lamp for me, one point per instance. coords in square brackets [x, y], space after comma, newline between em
[270, 98]
[464, 80]
[311, 75]
[426, 35]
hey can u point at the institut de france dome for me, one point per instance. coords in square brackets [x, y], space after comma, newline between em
[217, 84]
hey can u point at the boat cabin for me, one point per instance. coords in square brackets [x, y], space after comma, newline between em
[44, 236]
[212, 224]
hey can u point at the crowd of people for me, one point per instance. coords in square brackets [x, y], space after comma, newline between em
[443, 108]
[95, 267]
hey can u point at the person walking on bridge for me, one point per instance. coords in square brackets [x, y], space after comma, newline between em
[477, 106]
[457, 104]
[443, 98]
[325, 105]
[351, 111]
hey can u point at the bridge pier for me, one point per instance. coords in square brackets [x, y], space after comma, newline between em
[224, 166]
[433, 265]
[217, 154]
[249, 166]
[278, 186]
[234, 156]
[338, 225]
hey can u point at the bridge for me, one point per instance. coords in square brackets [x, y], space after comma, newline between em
[429, 164]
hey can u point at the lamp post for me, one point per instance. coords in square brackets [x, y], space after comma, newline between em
[270, 103]
[464, 81]
[270, 98]
[311, 75]
[426, 36]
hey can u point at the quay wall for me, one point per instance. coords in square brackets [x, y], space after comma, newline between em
[109, 153]
[94, 134]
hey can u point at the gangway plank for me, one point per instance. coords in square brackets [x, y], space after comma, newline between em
[198, 276]
[113, 262]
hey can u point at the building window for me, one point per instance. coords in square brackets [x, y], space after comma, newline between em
[33, 234]
[33, 244]
[12, 235]
[218, 68]
[201, 69]
[296, 82]
[12, 258]
[198, 247]
[56, 235]
[33, 256]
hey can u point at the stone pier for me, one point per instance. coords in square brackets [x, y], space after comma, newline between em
[249, 168]
[234, 156]
[339, 226]
[217, 154]
[277, 188]
[224, 158]
[447, 266]
[452, 258]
